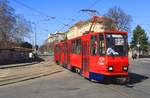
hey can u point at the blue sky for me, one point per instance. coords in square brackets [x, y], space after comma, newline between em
[68, 12]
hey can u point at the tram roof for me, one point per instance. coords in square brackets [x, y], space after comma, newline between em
[93, 33]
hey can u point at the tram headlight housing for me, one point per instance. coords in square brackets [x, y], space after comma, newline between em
[110, 68]
[125, 68]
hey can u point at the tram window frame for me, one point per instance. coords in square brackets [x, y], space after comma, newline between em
[102, 51]
[57, 49]
[125, 37]
[124, 52]
[72, 46]
[65, 50]
[92, 45]
[76, 46]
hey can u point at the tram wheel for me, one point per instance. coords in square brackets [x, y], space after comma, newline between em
[122, 81]
[64, 65]
[72, 69]
[77, 70]
[57, 62]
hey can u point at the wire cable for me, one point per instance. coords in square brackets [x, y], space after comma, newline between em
[37, 11]
[75, 19]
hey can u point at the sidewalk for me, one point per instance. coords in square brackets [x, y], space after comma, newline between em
[146, 60]
[17, 65]
[142, 60]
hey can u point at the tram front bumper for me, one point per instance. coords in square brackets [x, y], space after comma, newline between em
[101, 76]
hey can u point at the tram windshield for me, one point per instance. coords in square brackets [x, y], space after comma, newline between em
[116, 44]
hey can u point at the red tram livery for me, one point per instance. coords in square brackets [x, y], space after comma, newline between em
[95, 55]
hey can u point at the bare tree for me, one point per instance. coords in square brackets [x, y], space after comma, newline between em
[22, 28]
[122, 19]
[7, 20]
[13, 28]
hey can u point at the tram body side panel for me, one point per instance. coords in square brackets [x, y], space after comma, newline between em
[56, 54]
[68, 53]
[60, 53]
[63, 54]
[62, 58]
[97, 64]
[75, 57]
[75, 60]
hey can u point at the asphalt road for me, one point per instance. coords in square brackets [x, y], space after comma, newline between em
[70, 85]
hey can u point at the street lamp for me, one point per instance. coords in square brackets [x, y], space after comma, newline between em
[35, 29]
[34, 44]
[138, 45]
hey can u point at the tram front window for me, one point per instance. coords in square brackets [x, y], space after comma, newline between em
[116, 44]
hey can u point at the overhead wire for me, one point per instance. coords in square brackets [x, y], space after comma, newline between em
[37, 11]
[75, 19]
[52, 17]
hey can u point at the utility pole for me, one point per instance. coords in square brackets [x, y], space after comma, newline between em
[34, 34]
[35, 29]
[138, 45]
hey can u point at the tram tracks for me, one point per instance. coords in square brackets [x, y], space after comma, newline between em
[27, 73]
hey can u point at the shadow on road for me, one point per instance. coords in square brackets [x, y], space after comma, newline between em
[136, 78]
[39, 59]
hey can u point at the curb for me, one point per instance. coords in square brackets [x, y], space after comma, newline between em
[17, 65]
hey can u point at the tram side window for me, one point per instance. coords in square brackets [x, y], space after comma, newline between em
[73, 46]
[101, 45]
[57, 49]
[93, 45]
[64, 48]
[76, 46]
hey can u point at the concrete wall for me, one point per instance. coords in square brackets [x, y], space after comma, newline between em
[13, 56]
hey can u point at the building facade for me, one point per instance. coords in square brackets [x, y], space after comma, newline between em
[101, 24]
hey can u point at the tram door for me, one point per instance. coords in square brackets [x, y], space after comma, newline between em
[85, 58]
[65, 53]
[60, 54]
[68, 52]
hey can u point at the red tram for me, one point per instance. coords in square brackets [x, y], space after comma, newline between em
[95, 55]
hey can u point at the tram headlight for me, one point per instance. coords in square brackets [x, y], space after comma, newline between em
[110, 68]
[125, 68]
